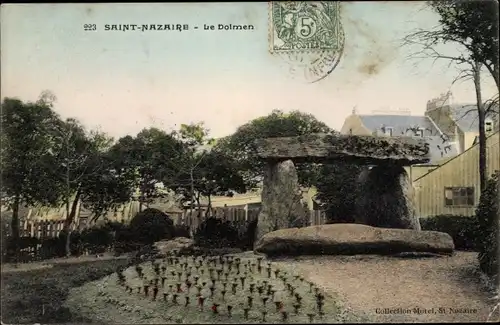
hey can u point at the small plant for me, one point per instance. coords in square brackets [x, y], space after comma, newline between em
[215, 308]
[155, 292]
[201, 301]
[296, 307]
[234, 286]
[188, 285]
[284, 316]
[311, 317]
[250, 301]
[279, 305]
[264, 313]
[264, 300]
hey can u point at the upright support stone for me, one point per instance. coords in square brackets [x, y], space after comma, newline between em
[281, 206]
[385, 198]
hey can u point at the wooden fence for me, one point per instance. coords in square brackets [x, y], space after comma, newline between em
[46, 229]
[236, 215]
[42, 229]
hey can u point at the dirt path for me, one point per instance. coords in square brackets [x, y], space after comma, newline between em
[391, 289]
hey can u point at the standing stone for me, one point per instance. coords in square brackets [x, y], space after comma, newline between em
[385, 198]
[281, 206]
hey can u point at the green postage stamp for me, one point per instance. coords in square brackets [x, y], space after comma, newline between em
[303, 25]
[307, 36]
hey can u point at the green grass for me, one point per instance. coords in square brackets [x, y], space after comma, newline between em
[37, 296]
[129, 297]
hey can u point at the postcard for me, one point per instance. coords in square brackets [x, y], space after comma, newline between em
[250, 162]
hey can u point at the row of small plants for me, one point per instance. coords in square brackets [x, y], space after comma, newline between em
[204, 288]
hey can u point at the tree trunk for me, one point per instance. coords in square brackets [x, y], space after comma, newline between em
[483, 177]
[208, 213]
[15, 228]
[69, 222]
[494, 72]
[192, 193]
[197, 197]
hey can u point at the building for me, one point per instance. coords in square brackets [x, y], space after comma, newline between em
[403, 124]
[252, 200]
[459, 122]
[453, 187]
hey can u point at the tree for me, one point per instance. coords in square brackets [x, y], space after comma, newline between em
[196, 143]
[151, 157]
[241, 145]
[26, 142]
[107, 189]
[77, 167]
[472, 26]
[216, 174]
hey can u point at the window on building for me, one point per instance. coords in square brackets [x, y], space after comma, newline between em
[459, 196]
[488, 126]
[388, 131]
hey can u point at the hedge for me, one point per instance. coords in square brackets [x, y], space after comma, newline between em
[461, 228]
[487, 230]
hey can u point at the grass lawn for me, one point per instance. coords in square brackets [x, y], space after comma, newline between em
[37, 296]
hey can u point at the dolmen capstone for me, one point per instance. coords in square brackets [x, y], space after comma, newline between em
[353, 239]
[386, 193]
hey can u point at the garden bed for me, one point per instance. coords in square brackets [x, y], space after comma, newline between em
[233, 289]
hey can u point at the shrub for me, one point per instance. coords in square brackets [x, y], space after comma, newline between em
[151, 225]
[181, 231]
[96, 239]
[216, 233]
[487, 230]
[461, 228]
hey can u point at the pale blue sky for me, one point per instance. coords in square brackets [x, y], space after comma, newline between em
[125, 81]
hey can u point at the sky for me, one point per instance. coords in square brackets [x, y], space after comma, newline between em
[122, 82]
